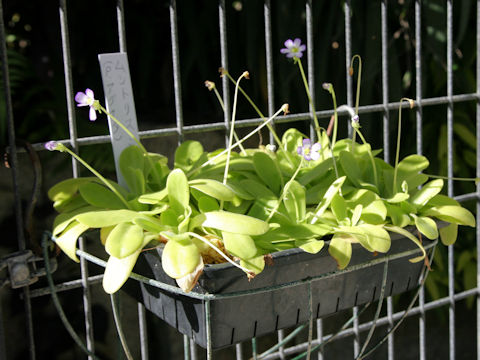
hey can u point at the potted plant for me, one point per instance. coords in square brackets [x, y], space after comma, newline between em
[227, 222]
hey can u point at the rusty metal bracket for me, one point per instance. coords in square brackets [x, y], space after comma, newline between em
[22, 269]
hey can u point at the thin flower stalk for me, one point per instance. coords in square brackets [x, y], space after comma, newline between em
[399, 134]
[211, 86]
[220, 252]
[232, 127]
[285, 190]
[52, 146]
[309, 96]
[255, 107]
[357, 94]
[246, 137]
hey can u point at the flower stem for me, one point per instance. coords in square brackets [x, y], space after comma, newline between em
[205, 240]
[309, 96]
[372, 159]
[232, 127]
[255, 107]
[96, 173]
[357, 95]
[249, 135]
[134, 138]
[285, 190]
[219, 98]
[399, 132]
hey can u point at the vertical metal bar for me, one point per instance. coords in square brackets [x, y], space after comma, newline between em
[418, 93]
[239, 351]
[451, 270]
[193, 350]
[176, 70]
[269, 60]
[386, 115]
[478, 175]
[122, 39]
[222, 23]
[348, 58]
[15, 177]
[208, 329]
[310, 60]
[281, 349]
[142, 325]
[320, 337]
[386, 144]
[186, 347]
[73, 142]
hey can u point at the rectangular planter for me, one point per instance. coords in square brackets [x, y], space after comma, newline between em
[225, 308]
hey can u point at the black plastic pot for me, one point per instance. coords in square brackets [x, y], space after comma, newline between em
[225, 308]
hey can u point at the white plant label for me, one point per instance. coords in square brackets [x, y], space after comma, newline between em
[117, 87]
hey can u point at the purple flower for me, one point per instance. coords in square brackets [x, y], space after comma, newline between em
[51, 145]
[309, 151]
[88, 99]
[293, 48]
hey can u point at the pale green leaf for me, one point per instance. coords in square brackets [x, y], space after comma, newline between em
[339, 207]
[178, 191]
[448, 234]
[118, 271]
[255, 265]
[327, 198]
[153, 198]
[239, 245]
[410, 236]
[340, 249]
[267, 170]
[427, 227]
[452, 213]
[236, 223]
[213, 188]
[294, 202]
[180, 257]
[427, 192]
[100, 196]
[67, 241]
[102, 218]
[124, 240]
[312, 246]
[187, 154]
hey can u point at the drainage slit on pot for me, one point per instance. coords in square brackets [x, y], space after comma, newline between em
[391, 289]
[374, 291]
[318, 310]
[276, 323]
[255, 330]
[408, 283]
[338, 303]
[231, 339]
[298, 316]
[356, 299]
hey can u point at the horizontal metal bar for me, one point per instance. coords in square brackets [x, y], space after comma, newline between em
[324, 114]
[68, 285]
[381, 321]
[467, 197]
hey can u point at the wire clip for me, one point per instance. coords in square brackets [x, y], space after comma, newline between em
[22, 269]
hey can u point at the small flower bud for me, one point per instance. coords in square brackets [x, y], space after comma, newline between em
[350, 71]
[54, 145]
[285, 109]
[246, 75]
[271, 147]
[210, 85]
[222, 71]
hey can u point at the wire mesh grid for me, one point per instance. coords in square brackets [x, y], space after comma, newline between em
[384, 108]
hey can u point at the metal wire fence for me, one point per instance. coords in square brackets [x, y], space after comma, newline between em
[383, 109]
